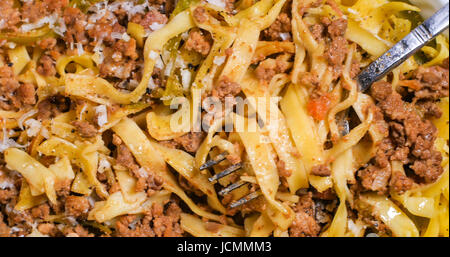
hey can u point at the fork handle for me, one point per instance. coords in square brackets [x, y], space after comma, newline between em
[405, 48]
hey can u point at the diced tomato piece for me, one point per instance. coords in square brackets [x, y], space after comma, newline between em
[318, 107]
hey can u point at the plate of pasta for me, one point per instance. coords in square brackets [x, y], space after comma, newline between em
[220, 118]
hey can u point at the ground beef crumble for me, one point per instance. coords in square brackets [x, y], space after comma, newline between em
[321, 170]
[199, 42]
[85, 129]
[191, 141]
[156, 222]
[13, 93]
[225, 87]
[77, 206]
[305, 224]
[9, 15]
[280, 30]
[270, 67]
[410, 141]
[147, 181]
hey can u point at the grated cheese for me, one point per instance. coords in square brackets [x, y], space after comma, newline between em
[219, 60]
[25, 116]
[11, 45]
[159, 63]
[103, 164]
[151, 84]
[102, 117]
[50, 20]
[285, 36]
[6, 184]
[34, 126]
[8, 142]
[153, 55]
[80, 49]
[168, 69]
[142, 172]
[45, 133]
[98, 50]
[218, 3]
[156, 26]
[125, 37]
[179, 62]
[185, 78]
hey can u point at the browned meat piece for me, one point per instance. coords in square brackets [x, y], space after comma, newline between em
[77, 231]
[317, 30]
[336, 51]
[7, 194]
[375, 178]
[429, 169]
[147, 181]
[52, 106]
[126, 226]
[153, 16]
[47, 43]
[328, 194]
[198, 42]
[32, 11]
[200, 14]
[282, 171]
[304, 224]
[75, 22]
[46, 66]
[41, 211]
[77, 206]
[225, 87]
[430, 109]
[8, 85]
[116, 64]
[280, 26]
[337, 28]
[321, 170]
[332, 32]
[401, 182]
[9, 16]
[355, 68]
[191, 141]
[126, 49]
[434, 81]
[84, 128]
[8, 82]
[270, 67]
[26, 93]
[49, 229]
[167, 224]
[125, 157]
[156, 222]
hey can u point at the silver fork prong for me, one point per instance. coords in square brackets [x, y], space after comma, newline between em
[226, 172]
[344, 125]
[245, 199]
[219, 158]
[232, 187]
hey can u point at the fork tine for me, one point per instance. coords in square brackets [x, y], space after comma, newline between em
[245, 199]
[342, 122]
[232, 187]
[219, 158]
[226, 172]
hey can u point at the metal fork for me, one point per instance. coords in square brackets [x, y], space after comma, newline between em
[231, 169]
[400, 52]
